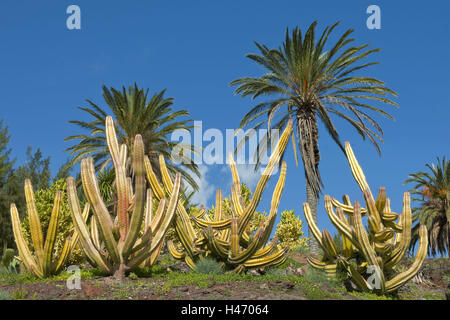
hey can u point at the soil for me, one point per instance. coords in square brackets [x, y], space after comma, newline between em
[433, 275]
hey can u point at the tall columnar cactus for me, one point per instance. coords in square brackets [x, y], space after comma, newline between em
[134, 236]
[227, 238]
[370, 256]
[41, 262]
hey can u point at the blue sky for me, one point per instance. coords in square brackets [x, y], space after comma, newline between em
[194, 49]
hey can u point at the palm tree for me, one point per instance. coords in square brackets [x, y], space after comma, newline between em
[153, 118]
[433, 191]
[309, 84]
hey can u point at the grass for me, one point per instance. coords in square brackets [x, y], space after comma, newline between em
[17, 278]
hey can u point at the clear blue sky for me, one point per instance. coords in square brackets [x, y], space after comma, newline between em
[195, 48]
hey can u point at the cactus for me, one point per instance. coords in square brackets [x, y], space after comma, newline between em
[227, 238]
[133, 237]
[41, 262]
[370, 256]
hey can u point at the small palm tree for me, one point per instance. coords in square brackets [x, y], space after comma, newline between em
[135, 113]
[310, 84]
[433, 191]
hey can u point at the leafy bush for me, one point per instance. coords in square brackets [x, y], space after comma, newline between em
[289, 230]
[44, 199]
[208, 266]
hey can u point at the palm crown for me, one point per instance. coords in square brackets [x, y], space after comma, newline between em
[433, 191]
[310, 82]
[135, 114]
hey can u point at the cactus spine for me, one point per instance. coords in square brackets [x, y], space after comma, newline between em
[227, 237]
[369, 255]
[41, 262]
[135, 235]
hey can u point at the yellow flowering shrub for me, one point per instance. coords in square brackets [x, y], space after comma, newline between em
[289, 230]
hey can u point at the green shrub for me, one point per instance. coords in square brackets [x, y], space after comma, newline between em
[44, 204]
[208, 266]
[133, 276]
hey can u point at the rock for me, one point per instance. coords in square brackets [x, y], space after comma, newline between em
[254, 272]
[264, 286]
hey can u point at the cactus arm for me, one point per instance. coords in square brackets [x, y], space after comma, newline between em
[184, 238]
[234, 171]
[201, 214]
[404, 238]
[375, 222]
[313, 262]
[356, 277]
[347, 244]
[219, 225]
[159, 216]
[63, 255]
[267, 250]
[218, 209]
[24, 252]
[151, 177]
[169, 214]
[182, 216]
[380, 203]
[217, 248]
[273, 161]
[148, 211]
[158, 236]
[51, 234]
[95, 233]
[167, 181]
[92, 192]
[348, 209]
[146, 238]
[174, 252]
[276, 196]
[236, 204]
[248, 252]
[312, 224]
[234, 239]
[81, 227]
[357, 172]
[338, 222]
[75, 236]
[121, 187]
[155, 255]
[138, 212]
[365, 246]
[35, 225]
[403, 277]
[268, 260]
[331, 251]
[189, 262]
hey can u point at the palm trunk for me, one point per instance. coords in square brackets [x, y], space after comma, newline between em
[312, 200]
[309, 148]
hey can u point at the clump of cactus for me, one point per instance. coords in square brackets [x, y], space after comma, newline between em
[41, 260]
[134, 235]
[228, 238]
[370, 255]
